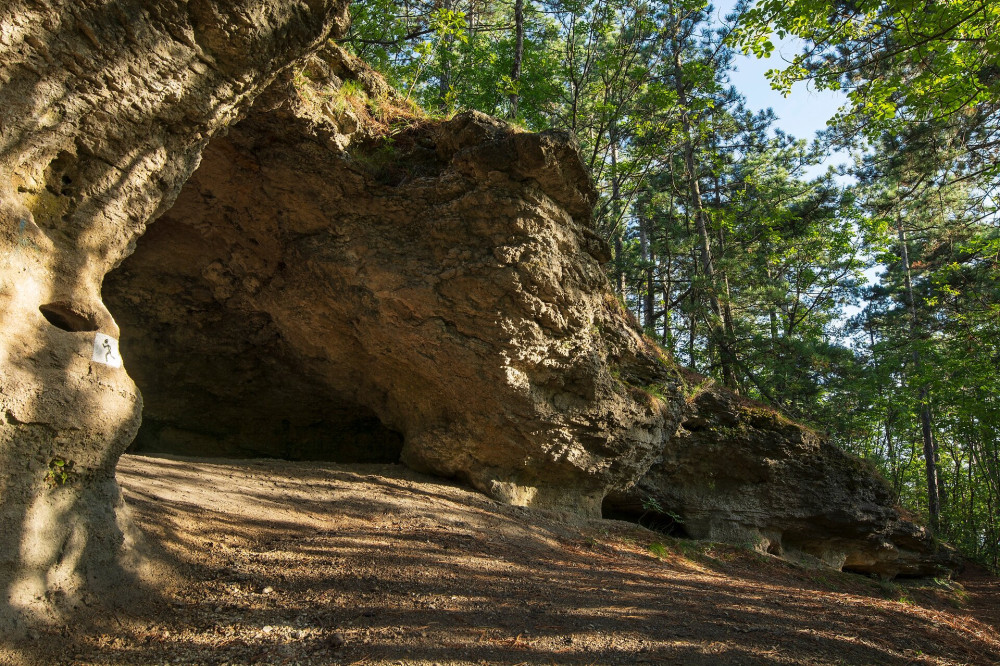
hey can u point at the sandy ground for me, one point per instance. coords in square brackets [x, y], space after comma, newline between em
[317, 563]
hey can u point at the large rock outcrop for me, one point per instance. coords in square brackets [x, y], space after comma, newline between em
[437, 286]
[336, 290]
[739, 472]
[105, 108]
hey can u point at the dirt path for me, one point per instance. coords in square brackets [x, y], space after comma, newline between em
[984, 595]
[308, 563]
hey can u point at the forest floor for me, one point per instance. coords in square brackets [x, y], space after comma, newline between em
[317, 563]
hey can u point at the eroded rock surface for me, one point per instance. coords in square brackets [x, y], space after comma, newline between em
[104, 110]
[439, 281]
[741, 473]
[329, 287]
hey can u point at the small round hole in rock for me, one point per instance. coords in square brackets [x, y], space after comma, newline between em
[68, 317]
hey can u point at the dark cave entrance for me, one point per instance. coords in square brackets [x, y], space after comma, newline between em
[217, 377]
[618, 506]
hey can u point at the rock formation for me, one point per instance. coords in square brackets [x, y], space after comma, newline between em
[338, 278]
[346, 289]
[739, 472]
[436, 286]
[105, 108]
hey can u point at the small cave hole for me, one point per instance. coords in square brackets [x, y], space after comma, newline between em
[68, 317]
[60, 174]
[665, 522]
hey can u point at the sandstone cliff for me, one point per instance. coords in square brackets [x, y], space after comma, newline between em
[358, 288]
[105, 108]
[435, 287]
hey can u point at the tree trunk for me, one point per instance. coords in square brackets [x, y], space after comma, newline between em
[728, 327]
[649, 294]
[700, 219]
[515, 70]
[616, 213]
[444, 81]
[772, 318]
[930, 446]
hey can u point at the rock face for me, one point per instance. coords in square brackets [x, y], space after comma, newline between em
[105, 108]
[739, 472]
[438, 289]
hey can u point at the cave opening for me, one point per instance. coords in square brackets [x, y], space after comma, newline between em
[649, 515]
[68, 316]
[217, 376]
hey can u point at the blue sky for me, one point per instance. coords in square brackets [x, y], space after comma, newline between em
[801, 114]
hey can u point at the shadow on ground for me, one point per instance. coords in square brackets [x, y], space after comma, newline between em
[372, 564]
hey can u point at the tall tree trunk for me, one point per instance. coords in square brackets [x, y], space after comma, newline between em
[730, 363]
[515, 70]
[666, 279]
[728, 327]
[887, 421]
[649, 294]
[930, 447]
[444, 81]
[772, 317]
[700, 219]
[616, 213]
[667, 289]
[693, 309]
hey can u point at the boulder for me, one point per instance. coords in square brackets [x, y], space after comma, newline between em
[739, 472]
[429, 291]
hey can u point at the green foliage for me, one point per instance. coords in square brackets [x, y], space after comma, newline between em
[457, 55]
[655, 391]
[655, 517]
[658, 549]
[902, 64]
[650, 503]
[926, 340]
[60, 472]
[905, 59]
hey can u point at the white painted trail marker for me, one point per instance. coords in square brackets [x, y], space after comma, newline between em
[106, 350]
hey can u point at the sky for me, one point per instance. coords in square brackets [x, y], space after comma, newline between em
[801, 114]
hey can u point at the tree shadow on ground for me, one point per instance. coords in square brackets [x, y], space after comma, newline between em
[321, 563]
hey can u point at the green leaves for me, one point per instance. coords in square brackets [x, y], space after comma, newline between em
[60, 472]
[645, 86]
[899, 61]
